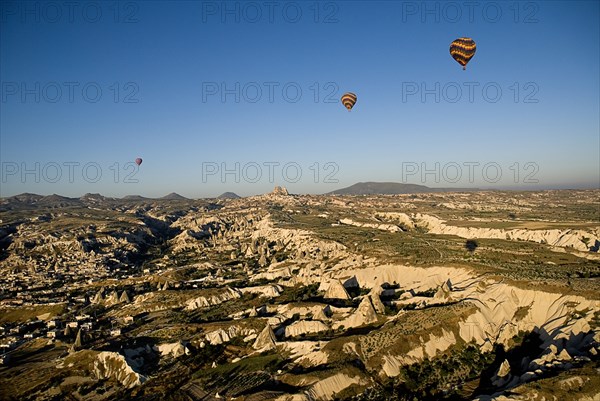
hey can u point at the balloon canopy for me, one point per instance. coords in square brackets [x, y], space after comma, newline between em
[462, 50]
[349, 100]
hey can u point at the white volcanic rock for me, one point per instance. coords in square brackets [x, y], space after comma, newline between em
[174, 350]
[570, 385]
[112, 299]
[301, 240]
[111, 365]
[251, 337]
[501, 311]
[564, 356]
[276, 319]
[549, 357]
[375, 294]
[443, 293]
[262, 261]
[313, 359]
[364, 314]
[305, 327]
[426, 347]
[405, 221]
[269, 291]
[304, 310]
[553, 237]
[502, 375]
[439, 343]
[249, 252]
[98, 298]
[336, 291]
[300, 349]
[292, 397]
[220, 336]
[327, 388]
[379, 226]
[273, 274]
[124, 298]
[415, 278]
[188, 239]
[266, 340]
[320, 315]
[498, 305]
[203, 302]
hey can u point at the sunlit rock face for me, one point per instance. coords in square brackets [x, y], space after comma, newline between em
[111, 365]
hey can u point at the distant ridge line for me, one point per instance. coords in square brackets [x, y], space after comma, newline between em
[392, 188]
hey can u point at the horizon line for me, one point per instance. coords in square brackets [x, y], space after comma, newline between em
[329, 193]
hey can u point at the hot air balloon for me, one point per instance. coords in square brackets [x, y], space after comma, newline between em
[462, 50]
[138, 161]
[349, 100]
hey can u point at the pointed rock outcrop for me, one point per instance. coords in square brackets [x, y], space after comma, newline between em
[336, 291]
[502, 375]
[376, 300]
[444, 291]
[280, 191]
[112, 299]
[262, 262]
[364, 314]
[265, 340]
[68, 332]
[77, 344]
[352, 282]
[124, 297]
[98, 298]
[320, 315]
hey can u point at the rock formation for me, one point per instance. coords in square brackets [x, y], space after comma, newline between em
[266, 340]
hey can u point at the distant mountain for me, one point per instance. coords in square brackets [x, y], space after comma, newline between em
[24, 198]
[92, 197]
[174, 196]
[228, 195]
[21, 201]
[390, 188]
[134, 198]
[58, 201]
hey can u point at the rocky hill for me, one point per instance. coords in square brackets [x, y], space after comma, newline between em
[228, 195]
[391, 188]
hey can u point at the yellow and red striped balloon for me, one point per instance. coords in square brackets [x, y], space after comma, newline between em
[349, 100]
[462, 50]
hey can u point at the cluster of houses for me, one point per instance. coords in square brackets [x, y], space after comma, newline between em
[34, 287]
[64, 328]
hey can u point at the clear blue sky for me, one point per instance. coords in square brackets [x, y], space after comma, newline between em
[167, 55]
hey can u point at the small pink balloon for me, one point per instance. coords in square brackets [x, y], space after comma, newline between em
[138, 161]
